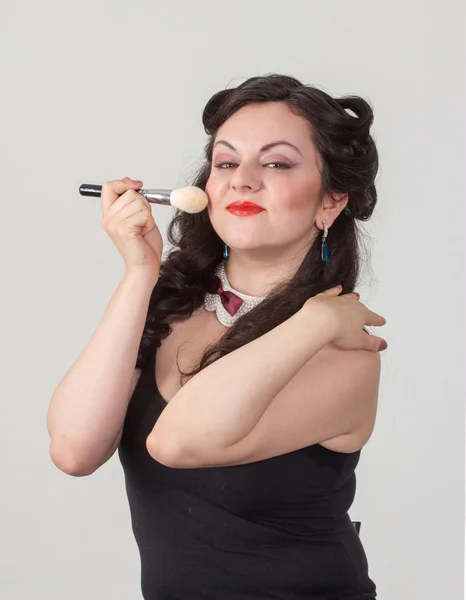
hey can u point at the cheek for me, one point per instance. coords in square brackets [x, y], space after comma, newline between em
[296, 200]
[216, 189]
[300, 196]
[296, 207]
[212, 185]
[207, 185]
[213, 190]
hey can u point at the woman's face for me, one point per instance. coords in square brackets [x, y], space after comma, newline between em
[249, 165]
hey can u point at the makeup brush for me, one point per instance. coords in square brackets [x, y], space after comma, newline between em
[189, 199]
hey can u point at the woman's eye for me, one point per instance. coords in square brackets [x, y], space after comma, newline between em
[275, 165]
[279, 165]
[223, 165]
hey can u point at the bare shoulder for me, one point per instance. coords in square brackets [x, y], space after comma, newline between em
[355, 363]
[358, 372]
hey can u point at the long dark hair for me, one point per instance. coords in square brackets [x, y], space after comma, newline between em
[349, 165]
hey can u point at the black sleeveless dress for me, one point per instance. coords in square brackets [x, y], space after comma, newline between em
[276, 529]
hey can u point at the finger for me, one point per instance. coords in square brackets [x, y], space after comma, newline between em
[151, 234]
[111, 190]
[372, 343]
[333, 291]
[352, 295]
[127, 209]
[132, 226]
[130, 197]
[374, 319]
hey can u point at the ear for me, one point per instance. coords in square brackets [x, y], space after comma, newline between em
[329, 209]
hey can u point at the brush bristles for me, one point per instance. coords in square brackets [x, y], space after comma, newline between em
[189, 199]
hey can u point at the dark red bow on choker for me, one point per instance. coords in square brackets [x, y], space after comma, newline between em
[230, 301]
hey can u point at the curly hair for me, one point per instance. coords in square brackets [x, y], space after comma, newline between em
[349, 165]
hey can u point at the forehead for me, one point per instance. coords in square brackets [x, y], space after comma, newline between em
[264, 123]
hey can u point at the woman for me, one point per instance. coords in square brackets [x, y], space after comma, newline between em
[235, 378]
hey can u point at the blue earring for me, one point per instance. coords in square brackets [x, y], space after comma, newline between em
[225, 251]
[325, 252]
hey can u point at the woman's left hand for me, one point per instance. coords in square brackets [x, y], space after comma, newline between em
[346, 318]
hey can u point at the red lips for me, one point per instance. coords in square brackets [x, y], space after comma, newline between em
[244, 208]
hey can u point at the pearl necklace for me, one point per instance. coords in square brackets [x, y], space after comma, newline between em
[212, 302]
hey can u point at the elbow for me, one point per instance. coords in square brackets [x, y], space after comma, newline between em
[167, 454]
[70, 463]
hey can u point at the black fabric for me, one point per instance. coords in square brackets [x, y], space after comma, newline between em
[277, 528]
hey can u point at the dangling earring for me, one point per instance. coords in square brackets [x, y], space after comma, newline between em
[225, 251]
[325, 252]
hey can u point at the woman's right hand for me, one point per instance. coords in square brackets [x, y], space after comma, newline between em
[127, 219]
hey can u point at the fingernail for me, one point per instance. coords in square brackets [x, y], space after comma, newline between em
[383, 345]
[136, 181]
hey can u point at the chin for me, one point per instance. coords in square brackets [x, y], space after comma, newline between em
[251, 247]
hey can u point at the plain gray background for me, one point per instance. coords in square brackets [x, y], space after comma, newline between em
[98, 90]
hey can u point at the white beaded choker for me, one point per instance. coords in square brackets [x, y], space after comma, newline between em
[212, 302]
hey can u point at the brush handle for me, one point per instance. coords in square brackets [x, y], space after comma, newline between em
[154, 196]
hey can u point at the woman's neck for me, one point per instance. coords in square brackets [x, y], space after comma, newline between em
[258, 278]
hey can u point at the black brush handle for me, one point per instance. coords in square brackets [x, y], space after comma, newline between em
[88, 189]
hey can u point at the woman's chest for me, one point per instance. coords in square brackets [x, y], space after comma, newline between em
[184, 348]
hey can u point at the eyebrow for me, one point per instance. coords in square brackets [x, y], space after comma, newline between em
[264, 148]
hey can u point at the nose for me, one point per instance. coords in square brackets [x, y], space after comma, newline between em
[245, 178]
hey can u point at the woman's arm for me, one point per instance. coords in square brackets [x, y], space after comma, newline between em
[88, 407]
[223, 403]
